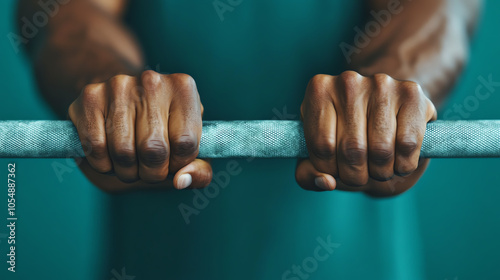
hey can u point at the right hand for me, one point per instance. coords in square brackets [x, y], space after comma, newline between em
[140, 129]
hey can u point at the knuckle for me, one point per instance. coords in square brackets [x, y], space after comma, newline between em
[182, 80]
[324, 148]
[382, 80]
[319, 81]
[151, 80]
[411, 89]
[183, 86]
[350, 79]
[381, 153]
[90, 94]
[349, 82]
[184, 146]
[153, 153]
[98, 149]
[124, 157]
[406, 146]
[353, 152]
[119, 80]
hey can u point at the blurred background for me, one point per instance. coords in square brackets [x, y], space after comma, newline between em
[61, 227]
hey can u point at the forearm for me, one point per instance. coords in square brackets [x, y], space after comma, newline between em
[82, 43]
[425, 41]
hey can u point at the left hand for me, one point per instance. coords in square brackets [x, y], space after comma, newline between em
[363, 133]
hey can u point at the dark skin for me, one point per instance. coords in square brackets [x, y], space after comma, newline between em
[364, 128]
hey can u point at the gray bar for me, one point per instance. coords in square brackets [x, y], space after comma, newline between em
[237, 139]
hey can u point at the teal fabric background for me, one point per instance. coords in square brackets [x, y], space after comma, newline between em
[446, 227]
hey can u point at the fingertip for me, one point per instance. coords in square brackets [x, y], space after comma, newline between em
[183, 181]
[311, 179]
[325, 182]
[200, 175]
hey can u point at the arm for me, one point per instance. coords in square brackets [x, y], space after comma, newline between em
[372, 126]
[136, 127]
[84, 42]
[426, 41]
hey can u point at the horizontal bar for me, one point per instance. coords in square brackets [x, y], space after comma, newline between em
[237, 139]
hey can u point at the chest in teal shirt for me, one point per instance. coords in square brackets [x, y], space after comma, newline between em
[250, 59]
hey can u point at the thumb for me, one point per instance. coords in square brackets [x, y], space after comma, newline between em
[311, 179]
[197, 174]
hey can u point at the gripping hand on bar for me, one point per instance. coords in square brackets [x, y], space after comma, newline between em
[354, 128]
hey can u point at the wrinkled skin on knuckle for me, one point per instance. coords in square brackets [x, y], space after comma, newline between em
[184, 146]
[353, 152]
[381, 153]
[407, 145]
[124, 156]
[153, 153]
[323, 149]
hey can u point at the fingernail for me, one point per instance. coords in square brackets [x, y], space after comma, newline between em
[184, 181]
[321, 183]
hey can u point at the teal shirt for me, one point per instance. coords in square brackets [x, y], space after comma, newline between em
[253, 61]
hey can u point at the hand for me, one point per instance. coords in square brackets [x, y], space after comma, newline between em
[362, 133]
[141, 129]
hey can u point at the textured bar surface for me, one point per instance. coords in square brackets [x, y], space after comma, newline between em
[260, 139]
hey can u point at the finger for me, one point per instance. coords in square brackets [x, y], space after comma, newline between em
[411, 124]
[382, 128]
[185, 124]
[152, 129]
[352, 128]
[120, 129]
[197, 174]
[309, 178]
[320, 124]
[397, 185]
[87, 114]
